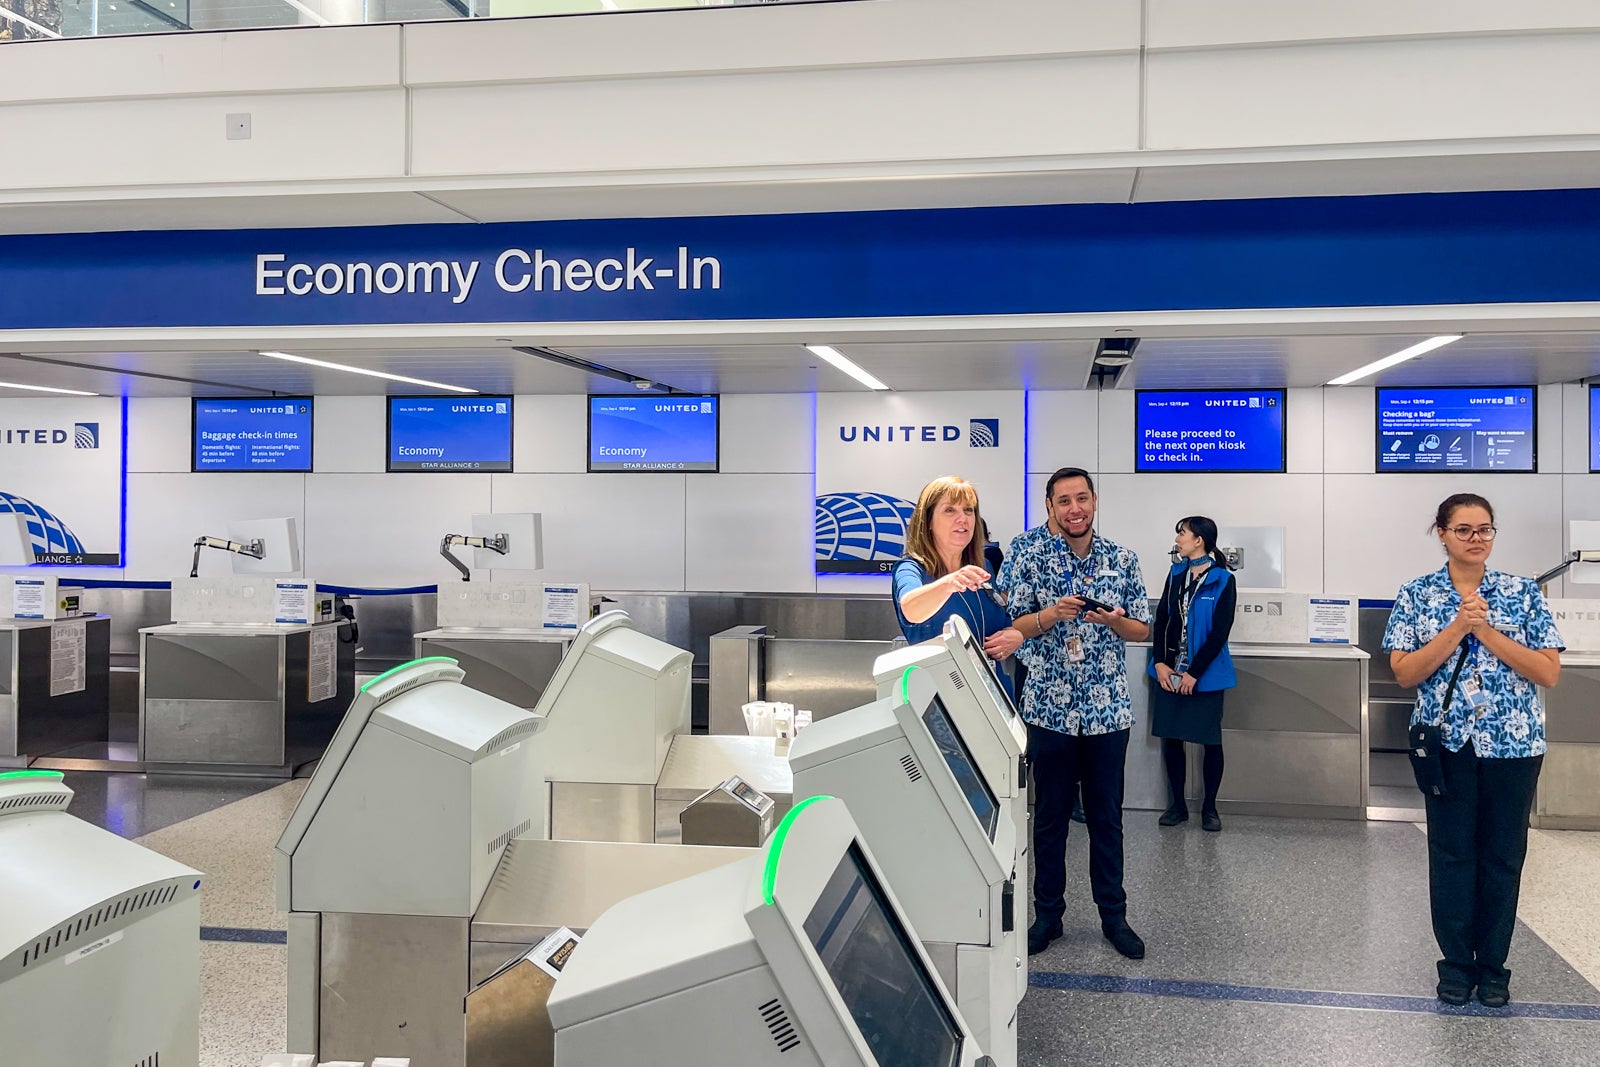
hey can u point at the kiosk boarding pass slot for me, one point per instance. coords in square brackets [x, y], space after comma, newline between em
[733, 812]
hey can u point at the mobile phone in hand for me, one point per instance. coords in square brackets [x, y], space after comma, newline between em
[1091, 604]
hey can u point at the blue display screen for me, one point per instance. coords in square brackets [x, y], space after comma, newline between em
[252, 435]
[1594, 429]
[454, 433]
[653, 433]
[1209, 430]
[1456, 429]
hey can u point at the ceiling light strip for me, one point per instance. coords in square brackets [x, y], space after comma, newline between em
[838, 359]
[1399, 357]
[46, 389]
[369, 373]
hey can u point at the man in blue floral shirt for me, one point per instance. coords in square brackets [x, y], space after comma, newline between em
[1077, 599]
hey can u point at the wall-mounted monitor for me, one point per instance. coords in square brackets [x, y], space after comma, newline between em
[449, 433]
[1457, 428]
[654, 433]
[1594, 429]
[1234, 430]
[251, 435]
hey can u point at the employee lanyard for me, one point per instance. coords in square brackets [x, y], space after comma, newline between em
[1070, 564]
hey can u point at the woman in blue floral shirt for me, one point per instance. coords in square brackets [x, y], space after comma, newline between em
[1492, 734]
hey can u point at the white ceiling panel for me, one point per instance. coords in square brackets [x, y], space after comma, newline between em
[1000, 363]
[226, 213]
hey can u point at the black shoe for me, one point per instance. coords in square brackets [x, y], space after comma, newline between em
[1454, 991]
[1491, 995]
[1040, 934]
[1174, 815]
[1123, 939]
[1210, 820]
[1077, 813]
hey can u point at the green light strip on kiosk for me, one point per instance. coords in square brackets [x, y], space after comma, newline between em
[31, 774]
[905, 683]
[403, 666]
[769, 880]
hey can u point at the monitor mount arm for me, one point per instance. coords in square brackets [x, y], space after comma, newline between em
[1583, 556]
[500, 543]
[255, 548]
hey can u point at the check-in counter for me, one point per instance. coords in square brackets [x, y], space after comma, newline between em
[513, 665]
[241, 699]
[55, 685]
[1568, 796]
[823, 675]
[1294, 731]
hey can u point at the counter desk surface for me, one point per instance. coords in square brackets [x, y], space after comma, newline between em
[495, 633]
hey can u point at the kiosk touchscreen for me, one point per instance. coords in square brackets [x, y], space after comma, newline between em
[99, 939]
[607, 720]
[945, 841]
[800, 956]
[973, 695]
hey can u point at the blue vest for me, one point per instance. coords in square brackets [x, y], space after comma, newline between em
[1202, 615]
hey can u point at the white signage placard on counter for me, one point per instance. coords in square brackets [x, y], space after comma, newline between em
[1579, 623]
[566, 607]
[292, 601]
[551, 954]
[321, 668]
[1331, 620]
[29, 597]
[69, 657]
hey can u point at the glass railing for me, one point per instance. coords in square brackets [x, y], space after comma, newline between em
[22, 20]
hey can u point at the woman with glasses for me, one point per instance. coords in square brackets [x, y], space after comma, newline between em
[1191, 665]
[1497, 629]
[942, 573]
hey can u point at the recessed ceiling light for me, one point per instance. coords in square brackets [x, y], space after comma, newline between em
[369, 373]
[1399, 357]
[45, 389]
[835, 357]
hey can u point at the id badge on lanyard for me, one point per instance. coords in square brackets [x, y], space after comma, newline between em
[1076, 652]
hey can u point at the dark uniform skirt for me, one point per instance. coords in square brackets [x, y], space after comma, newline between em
[1196, 718]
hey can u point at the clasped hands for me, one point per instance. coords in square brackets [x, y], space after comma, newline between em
[1174, 682]
[1473, 618]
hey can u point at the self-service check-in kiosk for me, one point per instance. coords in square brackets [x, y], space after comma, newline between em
[798, 956]
[415, 874]
[99, 939]
[982, 711]
[944, 839]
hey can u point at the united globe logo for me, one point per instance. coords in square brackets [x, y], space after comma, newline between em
[983, 433]
[86, 435]
[861, 526]
[47, 533]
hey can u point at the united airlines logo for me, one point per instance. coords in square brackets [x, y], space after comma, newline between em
[47, 533]
[984, 433]
[861, 526]
[86, 435]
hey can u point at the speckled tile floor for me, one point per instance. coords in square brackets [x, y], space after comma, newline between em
[1269, 904]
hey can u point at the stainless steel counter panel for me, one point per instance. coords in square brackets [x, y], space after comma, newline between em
[1569, 796]
[510, 665]
[821, 675]
[1294, 732]
[225, 699]
[541, 886]
[32, 722]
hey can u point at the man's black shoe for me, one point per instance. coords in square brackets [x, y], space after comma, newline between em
[1040, 934]
[1491, 995]
[1210, 820]
[1174, 815]
[1123, 939]
[1077, 812]
[1454, 991]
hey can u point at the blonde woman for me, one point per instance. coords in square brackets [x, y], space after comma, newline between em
[943, 574]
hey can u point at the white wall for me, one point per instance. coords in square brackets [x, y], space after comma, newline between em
[750, 527]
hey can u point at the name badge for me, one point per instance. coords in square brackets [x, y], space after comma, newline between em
[1472, 692]
[1075, 650]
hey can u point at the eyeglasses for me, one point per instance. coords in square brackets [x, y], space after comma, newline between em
[1467, 533]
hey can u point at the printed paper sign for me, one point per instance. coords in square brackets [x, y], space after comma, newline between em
[292, 601]
[1331, 621]
[565, 607]
[28, 598]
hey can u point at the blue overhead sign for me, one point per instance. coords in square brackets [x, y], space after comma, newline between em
[1287, 253]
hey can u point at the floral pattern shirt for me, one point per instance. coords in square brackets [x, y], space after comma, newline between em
[1510, 723]
[1090, 696]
